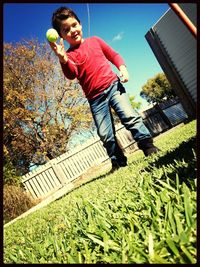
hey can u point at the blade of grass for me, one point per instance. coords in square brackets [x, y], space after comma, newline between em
[172, 246]
[178, 223]
[187, 205]
[95, 238]
[188, 255]
[166, 186]
[177, 183]
[151, 246]
[171, 219]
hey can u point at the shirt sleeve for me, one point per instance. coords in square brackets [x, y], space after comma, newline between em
[110, 53]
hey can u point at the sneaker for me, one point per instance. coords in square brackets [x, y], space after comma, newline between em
[147, 146]
[122, 163]
[149, 151]
[118, 164]
[114, 168]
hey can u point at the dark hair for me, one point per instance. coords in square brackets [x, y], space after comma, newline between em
[60, 14]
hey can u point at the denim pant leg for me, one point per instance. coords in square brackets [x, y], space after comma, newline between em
[102, 116]
[129, 117]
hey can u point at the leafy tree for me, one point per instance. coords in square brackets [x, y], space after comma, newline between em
[10, 176]
[134, 104]
[42, 110]
[157, 89]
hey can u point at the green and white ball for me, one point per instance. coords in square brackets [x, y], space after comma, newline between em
[52, 35]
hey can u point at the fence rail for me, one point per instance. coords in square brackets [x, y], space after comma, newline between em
[60, 171]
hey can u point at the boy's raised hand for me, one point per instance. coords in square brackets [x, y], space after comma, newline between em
[59, 50]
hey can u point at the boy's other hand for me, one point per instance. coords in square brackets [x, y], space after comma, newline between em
[124, 76]
[59, 50]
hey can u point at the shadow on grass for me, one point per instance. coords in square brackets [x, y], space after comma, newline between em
[182, 159]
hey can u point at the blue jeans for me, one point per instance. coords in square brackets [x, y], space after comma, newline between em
[115, 96]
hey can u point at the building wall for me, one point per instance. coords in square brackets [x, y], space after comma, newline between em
[176, 50]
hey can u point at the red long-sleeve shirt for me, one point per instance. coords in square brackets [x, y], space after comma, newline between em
[89, 63]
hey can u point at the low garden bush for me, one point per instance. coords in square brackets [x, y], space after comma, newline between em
[15, 202]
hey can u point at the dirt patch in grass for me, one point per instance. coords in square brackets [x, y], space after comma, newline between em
[92, 173]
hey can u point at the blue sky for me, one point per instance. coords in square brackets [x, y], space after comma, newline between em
[123, 26]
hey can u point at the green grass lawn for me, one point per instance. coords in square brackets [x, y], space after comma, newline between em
[143, 213]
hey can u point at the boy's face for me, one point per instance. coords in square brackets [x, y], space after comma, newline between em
[71, 31]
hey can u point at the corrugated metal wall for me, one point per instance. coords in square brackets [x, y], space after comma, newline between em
[176, 50]
[180, 45]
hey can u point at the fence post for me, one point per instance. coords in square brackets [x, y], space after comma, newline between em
[59, 173]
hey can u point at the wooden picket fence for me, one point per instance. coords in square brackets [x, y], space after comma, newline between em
[62, 170]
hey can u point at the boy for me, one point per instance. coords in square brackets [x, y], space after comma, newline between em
[87, 60]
